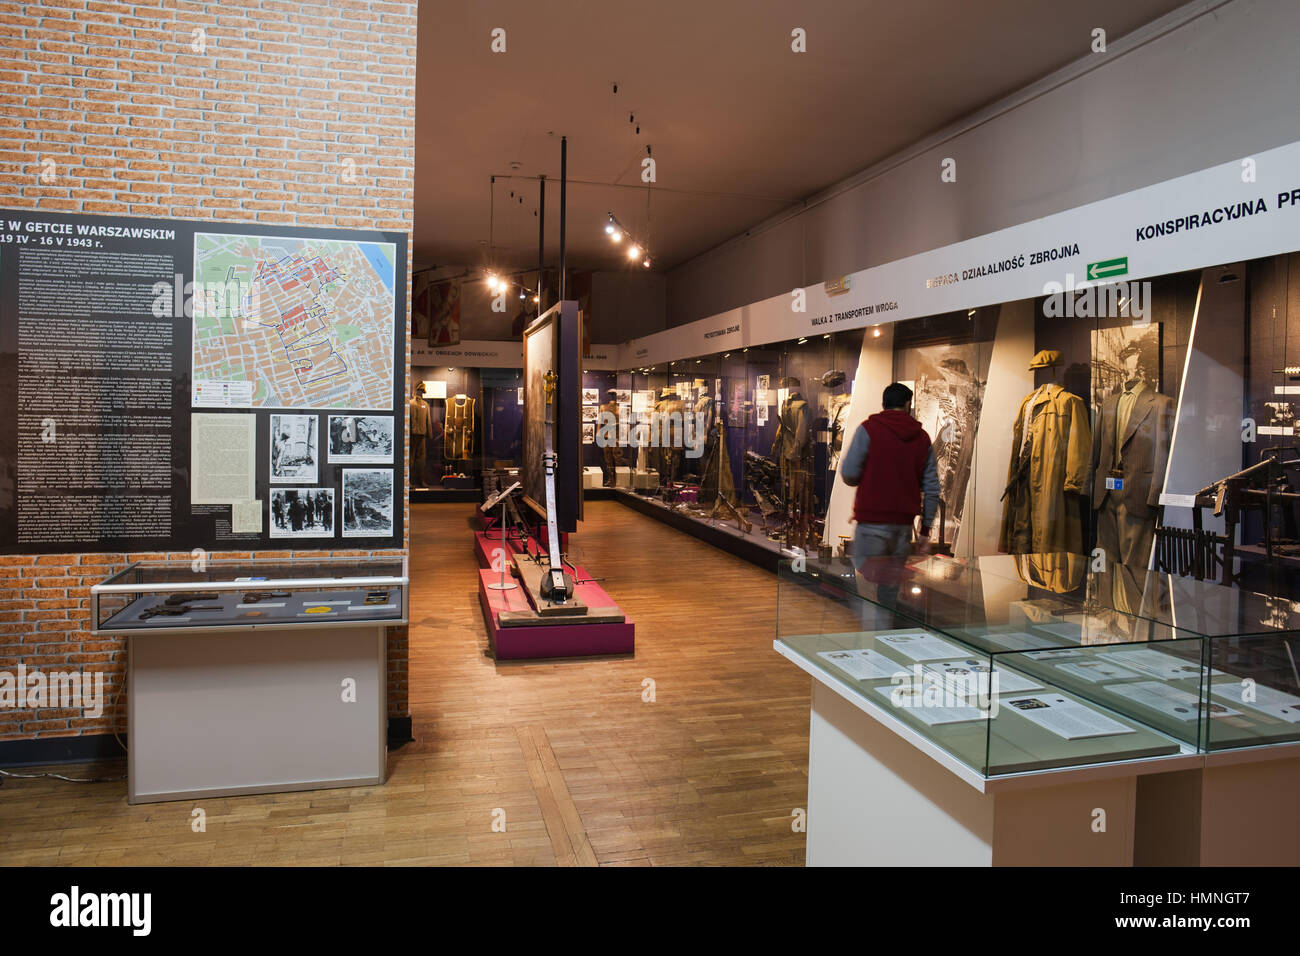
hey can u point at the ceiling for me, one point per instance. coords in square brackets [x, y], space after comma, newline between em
[740, 126]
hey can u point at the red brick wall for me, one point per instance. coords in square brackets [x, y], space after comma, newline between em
[294, 113]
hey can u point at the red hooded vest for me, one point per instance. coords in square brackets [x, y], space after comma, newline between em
[890, 489]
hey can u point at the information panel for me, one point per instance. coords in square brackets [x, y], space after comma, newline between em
[176, 384]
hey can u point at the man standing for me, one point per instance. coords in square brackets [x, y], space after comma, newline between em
[891, 463]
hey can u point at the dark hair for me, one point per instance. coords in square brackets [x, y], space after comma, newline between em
[896, 395]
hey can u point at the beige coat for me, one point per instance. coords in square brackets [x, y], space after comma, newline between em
[1042, 511]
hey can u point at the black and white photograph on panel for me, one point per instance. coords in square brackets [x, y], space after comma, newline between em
[947, 382]
[1121, 354]
[294, 452]
[367, 502]
[302, 513]
[361, 439]
[590, 396]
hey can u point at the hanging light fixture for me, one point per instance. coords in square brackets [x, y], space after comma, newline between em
[617, 232]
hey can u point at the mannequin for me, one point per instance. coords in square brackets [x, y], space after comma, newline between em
[792, 448]
[717, 484]
[1047, 477]
[421, 421]
[458, 435]
[669, 415]
[612, 455]
[1129, 455]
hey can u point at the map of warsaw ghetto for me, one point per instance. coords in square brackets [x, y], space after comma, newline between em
[292, 323]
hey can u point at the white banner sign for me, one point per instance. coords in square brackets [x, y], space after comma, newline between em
[1240, 210]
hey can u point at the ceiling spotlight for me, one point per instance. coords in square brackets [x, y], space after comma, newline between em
[536, 299]
[646, 262]
[614, 235]
[492, 281]
[876, 331]
[609, 225]
[916, 590]
[970, 314]
[633, 251]
[522, 295]
[826, 336]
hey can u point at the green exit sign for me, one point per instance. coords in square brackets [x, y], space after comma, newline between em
[1108, 268]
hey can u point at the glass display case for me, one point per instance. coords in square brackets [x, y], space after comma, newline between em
[471, 421]
[746, 441]
[152, 598]
[995, 668]
[1000, 679]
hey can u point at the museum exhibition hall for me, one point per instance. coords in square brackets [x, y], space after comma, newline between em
[705, 435]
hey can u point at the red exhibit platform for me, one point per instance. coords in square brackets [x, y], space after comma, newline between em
[568, 637]
[561, 636]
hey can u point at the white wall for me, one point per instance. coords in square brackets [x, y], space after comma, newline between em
[625, 305]
[1162, 103]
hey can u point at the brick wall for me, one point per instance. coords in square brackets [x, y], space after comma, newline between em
[273, 111]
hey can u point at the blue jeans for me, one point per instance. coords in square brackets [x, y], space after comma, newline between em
[890, 544]
[878, 540]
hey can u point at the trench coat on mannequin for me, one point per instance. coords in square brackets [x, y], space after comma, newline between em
[1041, 511]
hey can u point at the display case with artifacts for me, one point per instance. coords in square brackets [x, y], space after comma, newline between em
[197, 725]
[754, 457]
[476, 423]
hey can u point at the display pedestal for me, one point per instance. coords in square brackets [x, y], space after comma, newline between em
[220, 712]
[602, 631]
[1237, 810]
[588, 635]
[876, 800]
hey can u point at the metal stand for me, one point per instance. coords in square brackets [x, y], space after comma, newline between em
[503, 584]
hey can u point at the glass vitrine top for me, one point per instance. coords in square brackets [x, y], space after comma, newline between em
[252, 575]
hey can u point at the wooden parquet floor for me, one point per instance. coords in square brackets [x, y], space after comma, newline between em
[693, 751]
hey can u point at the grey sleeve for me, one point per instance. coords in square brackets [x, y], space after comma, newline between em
[853, 463]
[930, 485]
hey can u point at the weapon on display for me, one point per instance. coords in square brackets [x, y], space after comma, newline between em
[761, 478]
[942, 547]
[176, 610]
[557, 584]
[724, 507]
[1262, 486]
